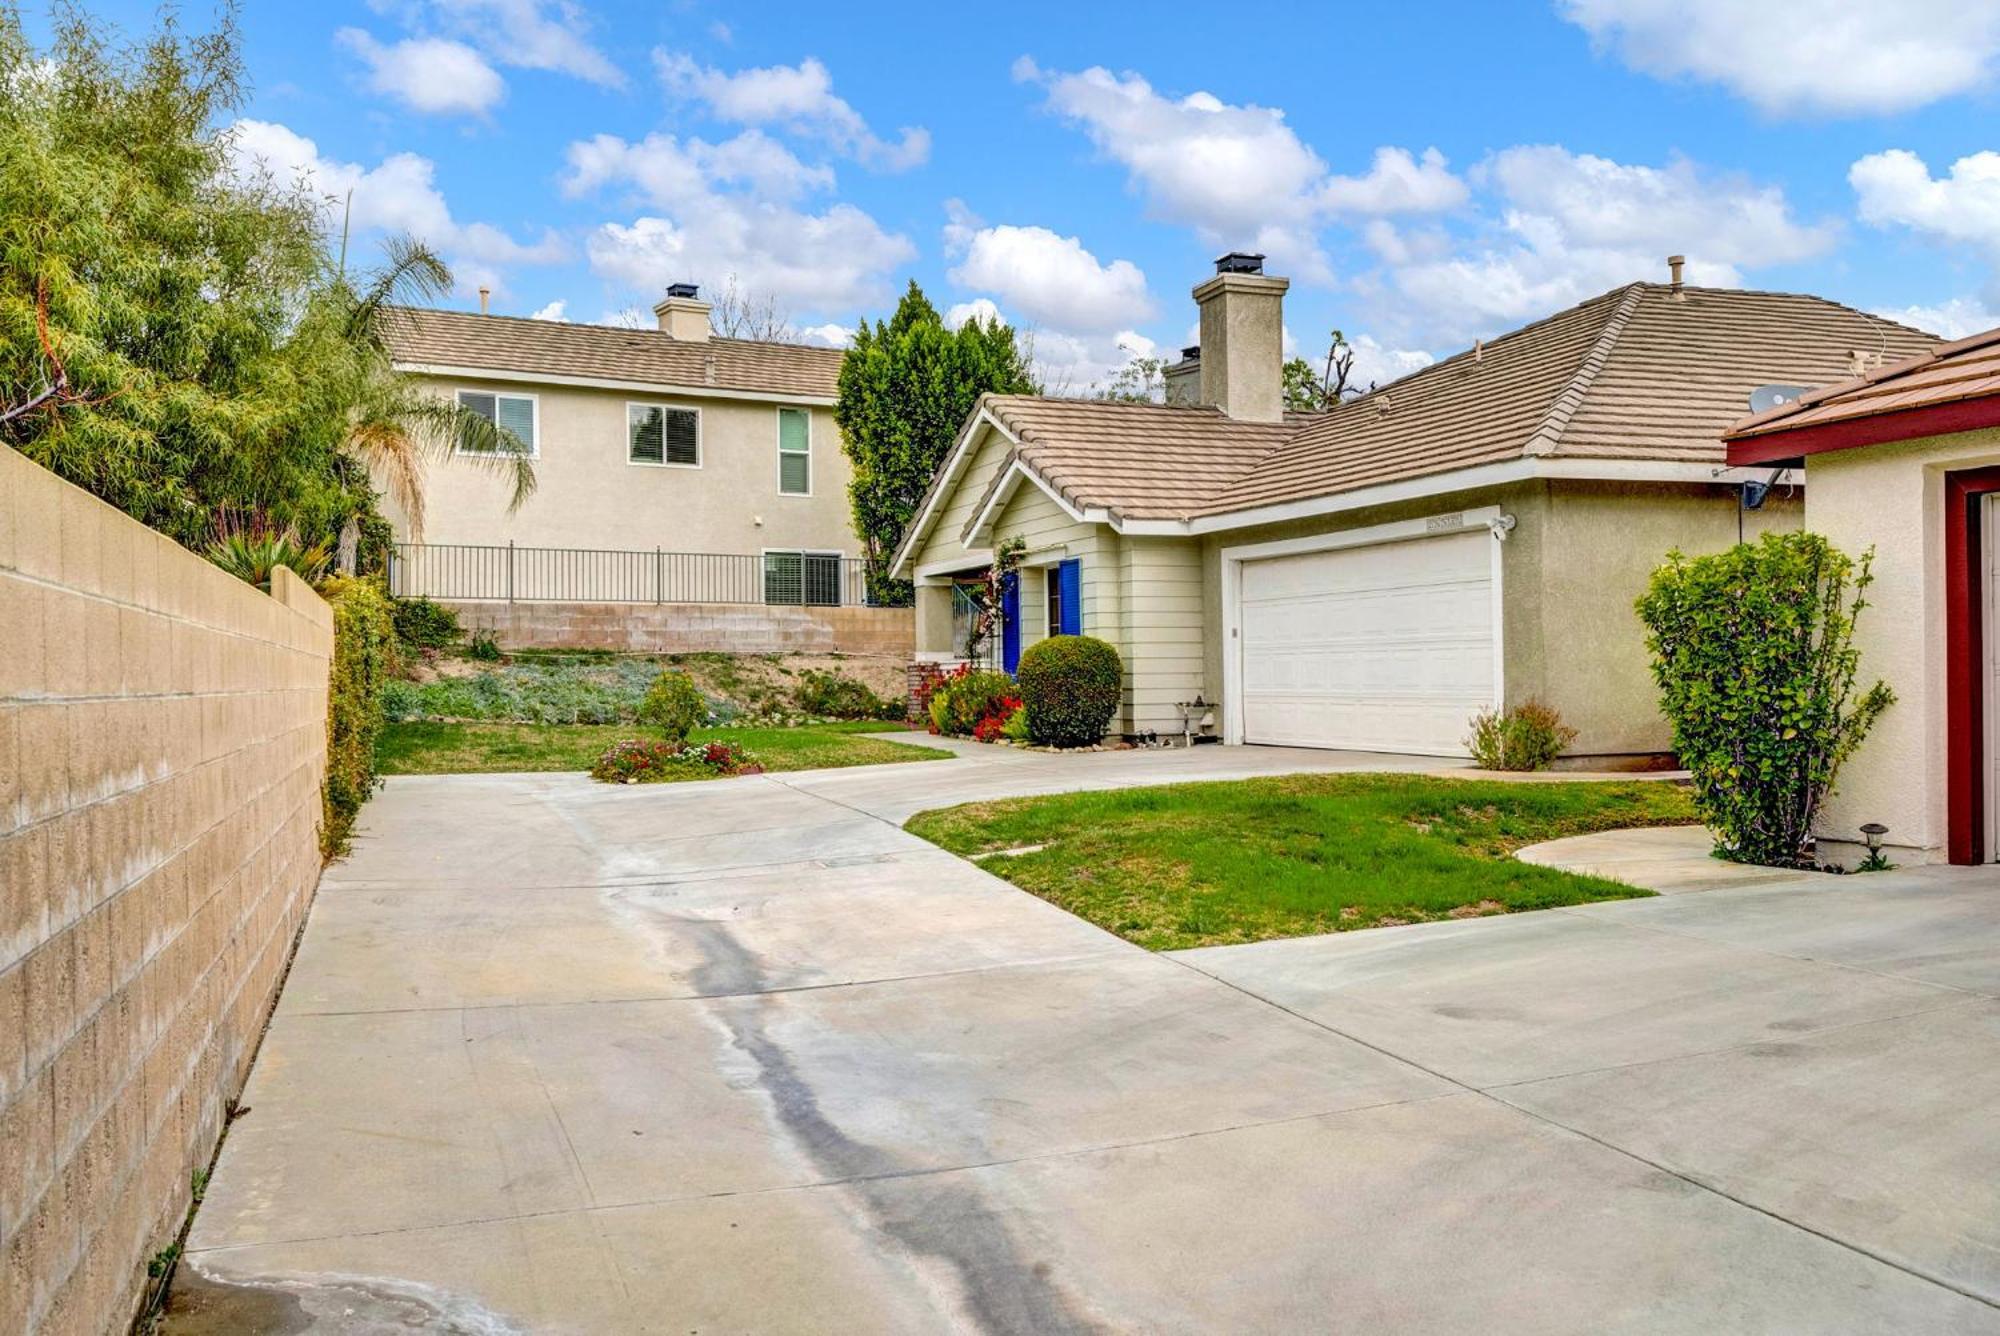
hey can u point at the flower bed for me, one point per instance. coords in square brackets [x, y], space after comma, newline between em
[647, 761]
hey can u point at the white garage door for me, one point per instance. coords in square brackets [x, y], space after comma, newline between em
[1383, 648]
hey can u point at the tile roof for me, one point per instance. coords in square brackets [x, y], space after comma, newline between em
[533, 348]
[1644, 372]
[1639, 373]
[1948, 374]
[1142, 461]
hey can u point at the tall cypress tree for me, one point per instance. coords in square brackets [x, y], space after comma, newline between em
[906, 387]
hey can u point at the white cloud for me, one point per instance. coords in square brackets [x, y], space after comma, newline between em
[553, 311]
[398, 195]
[428, 74]
[1808, 56]
[828, 335]
[672, 172]
[1079, 364]
[1239, 175]
[798, 97]
[1050, 279]
[982, 309]
[1377, 365]
[1396, 183]
[1954, 318]
[531, 34]
[1896, 187]
[704, 230]
[1567, 226]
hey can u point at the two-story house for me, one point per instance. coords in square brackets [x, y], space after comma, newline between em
[672, 466]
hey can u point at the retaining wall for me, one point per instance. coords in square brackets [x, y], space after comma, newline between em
[689, 628]
[162, 744]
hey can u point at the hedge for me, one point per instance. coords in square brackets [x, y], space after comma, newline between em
[364, 631]
[1071, 686]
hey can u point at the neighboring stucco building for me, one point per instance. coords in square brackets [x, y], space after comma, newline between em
[1906, 461]
[643, 439]
[1474, 534]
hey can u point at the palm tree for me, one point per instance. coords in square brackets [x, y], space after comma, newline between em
[395, 424]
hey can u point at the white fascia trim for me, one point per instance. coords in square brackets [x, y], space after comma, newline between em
[982, 523]
[973, 559]
[954, 463]
[1397, 531]
[1462, 480]
[1490, 518]
[653, 387]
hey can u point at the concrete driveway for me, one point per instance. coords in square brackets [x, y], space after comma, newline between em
[743, 1056]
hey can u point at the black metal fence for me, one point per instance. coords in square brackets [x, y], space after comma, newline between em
[512, 574]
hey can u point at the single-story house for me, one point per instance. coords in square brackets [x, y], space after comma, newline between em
[1906, 461]
[1472, 535]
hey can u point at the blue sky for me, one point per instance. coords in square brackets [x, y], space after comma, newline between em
[1425, 173]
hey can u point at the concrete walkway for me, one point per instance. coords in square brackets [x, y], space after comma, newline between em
[744, 1056]
[1672, 860]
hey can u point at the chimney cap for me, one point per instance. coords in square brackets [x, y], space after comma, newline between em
[1240, 262]
[1191, 353]
[1674, 263]
[683, 290]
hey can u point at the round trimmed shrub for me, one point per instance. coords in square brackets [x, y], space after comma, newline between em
[1070, 685]
[673, 707]
[423, 624]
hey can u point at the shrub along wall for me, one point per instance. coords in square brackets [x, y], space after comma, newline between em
[364, 654]
[163, 732]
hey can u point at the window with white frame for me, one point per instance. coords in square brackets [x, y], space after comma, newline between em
[795, 452]
[809, 578]
[659, 434]
[513, 414]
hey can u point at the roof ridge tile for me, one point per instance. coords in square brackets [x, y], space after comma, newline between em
[1548, 433]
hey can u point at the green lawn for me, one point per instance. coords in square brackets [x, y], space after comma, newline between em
[1212, 864]
[440, 749]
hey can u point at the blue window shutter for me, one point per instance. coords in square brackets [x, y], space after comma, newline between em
[1071, 573]
[1010, 622]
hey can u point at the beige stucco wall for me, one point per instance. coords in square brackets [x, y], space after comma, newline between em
[162, 745]
[1578, 556]
[1575, 639]
[587, 495]
[1891, 498]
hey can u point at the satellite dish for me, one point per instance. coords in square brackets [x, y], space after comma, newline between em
[1770, 396]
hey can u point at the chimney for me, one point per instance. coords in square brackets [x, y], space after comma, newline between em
[1243, 339]
[1674, 263]
[1183, 378]
[484, 295]
[683, 315]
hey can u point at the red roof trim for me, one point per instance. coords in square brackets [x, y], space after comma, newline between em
[1875, 429]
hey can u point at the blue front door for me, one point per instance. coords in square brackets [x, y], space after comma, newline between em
[1010, 622]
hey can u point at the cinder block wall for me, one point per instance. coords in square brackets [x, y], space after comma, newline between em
[162, 742]
[692, 628]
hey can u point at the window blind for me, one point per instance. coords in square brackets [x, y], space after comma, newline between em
[660, 435]
[646, 427]
[794, 452]
[517, 415]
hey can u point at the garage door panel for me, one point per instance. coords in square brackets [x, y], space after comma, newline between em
[1384, 648]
